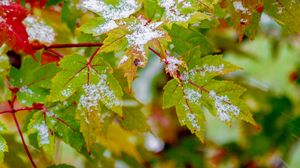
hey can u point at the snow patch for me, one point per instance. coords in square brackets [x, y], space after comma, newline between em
[38, 30]
[225, 109]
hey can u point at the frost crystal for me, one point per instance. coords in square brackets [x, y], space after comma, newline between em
[192, 118]
[171, 10]
[109, 12]
[43, 133]
[172, 64]
[224, 107]
[192, 95]
[95, 93]
[38, 30]
[5, 2]
[142, 33]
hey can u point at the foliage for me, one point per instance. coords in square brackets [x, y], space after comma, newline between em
[83, 95]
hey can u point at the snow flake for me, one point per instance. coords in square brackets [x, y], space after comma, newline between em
[225, 109]
[192, 118]
[5, 2]
[43, 132]
[142, 33]
[38, 30]
[172, 64]
[171, 10]
[192, 95]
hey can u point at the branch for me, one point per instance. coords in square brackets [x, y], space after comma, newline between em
[68, 45]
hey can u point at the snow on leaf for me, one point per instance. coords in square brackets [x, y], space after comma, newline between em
[225, 109]
[111, 12]
[239, 7]
[172, 64]
[172, 13]
[38, 31]
[142, 33]
[192, 96]
[212, 68]
[123, 60]
[3, 148]
[43, 132]
[105, 27]
[102, 91]
[193, 120]
[3, 145]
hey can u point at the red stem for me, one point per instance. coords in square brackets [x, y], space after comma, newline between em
[68, 45]
[93, 55]
[21, 109]
[155, 52]
[21, 134]
[59, 55]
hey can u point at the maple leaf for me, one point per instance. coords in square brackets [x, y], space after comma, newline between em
[12, 31]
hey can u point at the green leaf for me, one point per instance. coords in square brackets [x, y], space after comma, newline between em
[95, 86]
[91, 26]
[61, 166]
[285, 12]
[3, 148]
[188, 43]
[115, 41]
[172, 94]
[38, 126]
[191, 115]
[134, 120]
[196, 90]
[62, 120]
[152, 9]
[33, 81]
[114, 143]
[69, 14]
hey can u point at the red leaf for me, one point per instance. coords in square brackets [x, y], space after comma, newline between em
[12, 30]
[37, 4]
[48, 58]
